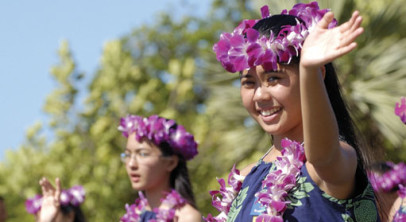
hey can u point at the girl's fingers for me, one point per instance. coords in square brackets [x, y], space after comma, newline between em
[47, 188]
[347, 48]
[357, 24]
[350, 31]
[354, 17]
[351, 37]
[326, 20]
[352, 24]
[44, 186]
[346, 26]
[58, 190]
[58, 185]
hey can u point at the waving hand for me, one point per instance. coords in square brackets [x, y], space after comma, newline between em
[324, 45]
[51, 200]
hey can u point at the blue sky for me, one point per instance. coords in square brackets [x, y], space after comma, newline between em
[31, 33]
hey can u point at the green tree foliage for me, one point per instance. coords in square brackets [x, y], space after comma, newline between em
[168, 68]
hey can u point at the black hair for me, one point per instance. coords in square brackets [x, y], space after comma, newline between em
[346, 126]
[79, 216]
[179, 178]
[275, 24]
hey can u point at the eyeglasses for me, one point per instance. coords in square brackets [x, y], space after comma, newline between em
[140, 156]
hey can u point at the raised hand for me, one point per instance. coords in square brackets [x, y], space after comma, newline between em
[324, 45]
[50, 200]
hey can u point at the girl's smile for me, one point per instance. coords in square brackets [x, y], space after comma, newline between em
[268, 115]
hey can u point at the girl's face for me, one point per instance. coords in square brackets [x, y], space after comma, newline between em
[272, 98]
[145, 165]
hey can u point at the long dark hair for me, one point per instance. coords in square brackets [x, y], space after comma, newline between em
[179, 178]
[346, 127]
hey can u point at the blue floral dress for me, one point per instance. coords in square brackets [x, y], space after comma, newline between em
[147, 215]
[308, 202]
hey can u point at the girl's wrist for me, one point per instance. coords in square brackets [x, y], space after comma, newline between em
[308, 69]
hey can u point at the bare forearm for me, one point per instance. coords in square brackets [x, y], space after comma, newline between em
[319, 122]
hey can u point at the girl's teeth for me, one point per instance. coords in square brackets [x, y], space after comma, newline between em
[266, 113]
[269, 112]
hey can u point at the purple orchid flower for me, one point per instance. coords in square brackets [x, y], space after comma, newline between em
[65, 197]
[77, 194]
[400, 109]
[33, 205]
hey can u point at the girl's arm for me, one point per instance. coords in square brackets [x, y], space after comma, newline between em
[330, 163]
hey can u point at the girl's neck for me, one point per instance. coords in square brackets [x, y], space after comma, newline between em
[155, 195]
[278, 138]
[276, 148]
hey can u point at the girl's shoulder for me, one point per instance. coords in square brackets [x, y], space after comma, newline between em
[188, 213]
[397, 205]
[246, 170]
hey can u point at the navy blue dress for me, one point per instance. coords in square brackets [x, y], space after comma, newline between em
[147, 215]
[308, 202]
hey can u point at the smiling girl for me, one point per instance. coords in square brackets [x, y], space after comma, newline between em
[314, 171]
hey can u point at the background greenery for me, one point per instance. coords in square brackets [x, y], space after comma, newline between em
[169, 69]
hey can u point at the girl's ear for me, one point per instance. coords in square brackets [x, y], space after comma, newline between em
[172, 162]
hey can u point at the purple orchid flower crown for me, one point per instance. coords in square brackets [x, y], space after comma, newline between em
[73, 196]
[245, 47]
[158, 130]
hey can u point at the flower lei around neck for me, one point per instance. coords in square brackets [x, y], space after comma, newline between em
[158, 130]
[73, 196]
[245, 47]
[275, 186]
[172, 201]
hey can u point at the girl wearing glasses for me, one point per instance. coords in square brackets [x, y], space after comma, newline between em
[155, 158]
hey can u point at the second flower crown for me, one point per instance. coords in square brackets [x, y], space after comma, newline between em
[245, 47]
[159, 130]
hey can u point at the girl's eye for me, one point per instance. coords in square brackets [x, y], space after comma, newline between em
[143, 154]
[247, 83]
[273, 78]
